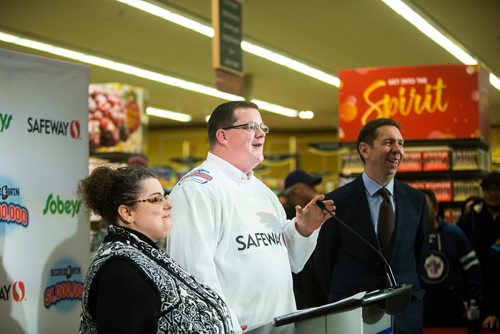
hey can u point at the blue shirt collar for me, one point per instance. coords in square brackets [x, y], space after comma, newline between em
[372, 186]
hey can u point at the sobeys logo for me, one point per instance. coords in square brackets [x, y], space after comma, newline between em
[61, 207]
[5, 121]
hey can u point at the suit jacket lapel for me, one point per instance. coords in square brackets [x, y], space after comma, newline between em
[400, 199]
[363, 223]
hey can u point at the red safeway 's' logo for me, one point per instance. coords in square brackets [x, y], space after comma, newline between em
[18, 291]
[74, 129]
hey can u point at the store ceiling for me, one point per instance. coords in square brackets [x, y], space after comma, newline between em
[326, 34]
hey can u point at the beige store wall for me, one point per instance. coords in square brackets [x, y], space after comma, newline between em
[495, 148]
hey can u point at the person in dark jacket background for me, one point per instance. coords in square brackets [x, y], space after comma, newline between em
[482, 227]
[492, 290]
[482, 223]
[452, 276]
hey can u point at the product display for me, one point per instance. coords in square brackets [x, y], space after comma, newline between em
[115, 118]
[451, 168]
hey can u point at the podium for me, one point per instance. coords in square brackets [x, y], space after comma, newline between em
[362, 313]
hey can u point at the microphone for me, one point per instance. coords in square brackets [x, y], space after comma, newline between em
[391, 281]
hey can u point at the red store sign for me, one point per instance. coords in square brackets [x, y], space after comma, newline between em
[430, 102]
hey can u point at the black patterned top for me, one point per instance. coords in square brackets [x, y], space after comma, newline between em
[132, 286]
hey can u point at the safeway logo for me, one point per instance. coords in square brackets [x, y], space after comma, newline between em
[5, 122]
[51, 127]
[15, 291]
[74, 129]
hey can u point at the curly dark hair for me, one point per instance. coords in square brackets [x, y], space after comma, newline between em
[223, 116]
[105, 189]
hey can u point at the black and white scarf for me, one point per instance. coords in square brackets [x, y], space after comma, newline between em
[180, 293]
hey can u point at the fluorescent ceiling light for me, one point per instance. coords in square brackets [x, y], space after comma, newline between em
[276, 108]
[132, 70]
[494, 81]
[421, 24]
[307, 114]
[176, 116]
[252, 48]
[171, 16]
[290, 63]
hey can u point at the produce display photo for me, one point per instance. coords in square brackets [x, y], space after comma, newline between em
[116, 118]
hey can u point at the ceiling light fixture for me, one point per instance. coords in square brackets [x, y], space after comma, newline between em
[176, 116]
[494, 81]
[171, 16]
[276, 108]
[397, 5]
[290, 63]
[135, 71]
[306, 114]
[430, 31]
[247, 46]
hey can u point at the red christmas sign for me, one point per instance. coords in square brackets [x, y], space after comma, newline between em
[430, 102]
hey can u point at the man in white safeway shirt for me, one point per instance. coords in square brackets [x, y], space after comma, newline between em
[230, 230]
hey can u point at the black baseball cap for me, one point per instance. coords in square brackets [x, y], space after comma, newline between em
[299, 176]
[490, 178]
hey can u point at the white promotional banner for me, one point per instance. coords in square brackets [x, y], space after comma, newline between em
[44, 231]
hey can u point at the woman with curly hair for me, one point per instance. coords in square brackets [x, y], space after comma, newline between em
[132, 286]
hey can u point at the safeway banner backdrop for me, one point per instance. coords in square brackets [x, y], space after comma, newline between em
[44, 231]
[430, 102]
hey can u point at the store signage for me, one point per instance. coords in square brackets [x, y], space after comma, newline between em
[65, 285]
[44, 123]
[117, 119]
[53, 127]
[229, 82]
[12, 213]
[58, 206]
[15, 291]
[430, 102]
[227, 56]
[227, 52]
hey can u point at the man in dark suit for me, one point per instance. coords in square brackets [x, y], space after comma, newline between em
[343, 265]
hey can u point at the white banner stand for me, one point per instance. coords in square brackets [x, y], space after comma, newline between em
[44, 232]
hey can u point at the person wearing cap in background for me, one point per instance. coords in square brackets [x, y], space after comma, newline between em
[300, 189]
[482, 223]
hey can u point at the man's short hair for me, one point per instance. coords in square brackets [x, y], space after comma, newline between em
[368, 132]
[223, 116]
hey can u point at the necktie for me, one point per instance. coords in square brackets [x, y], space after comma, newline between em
[385, 222]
